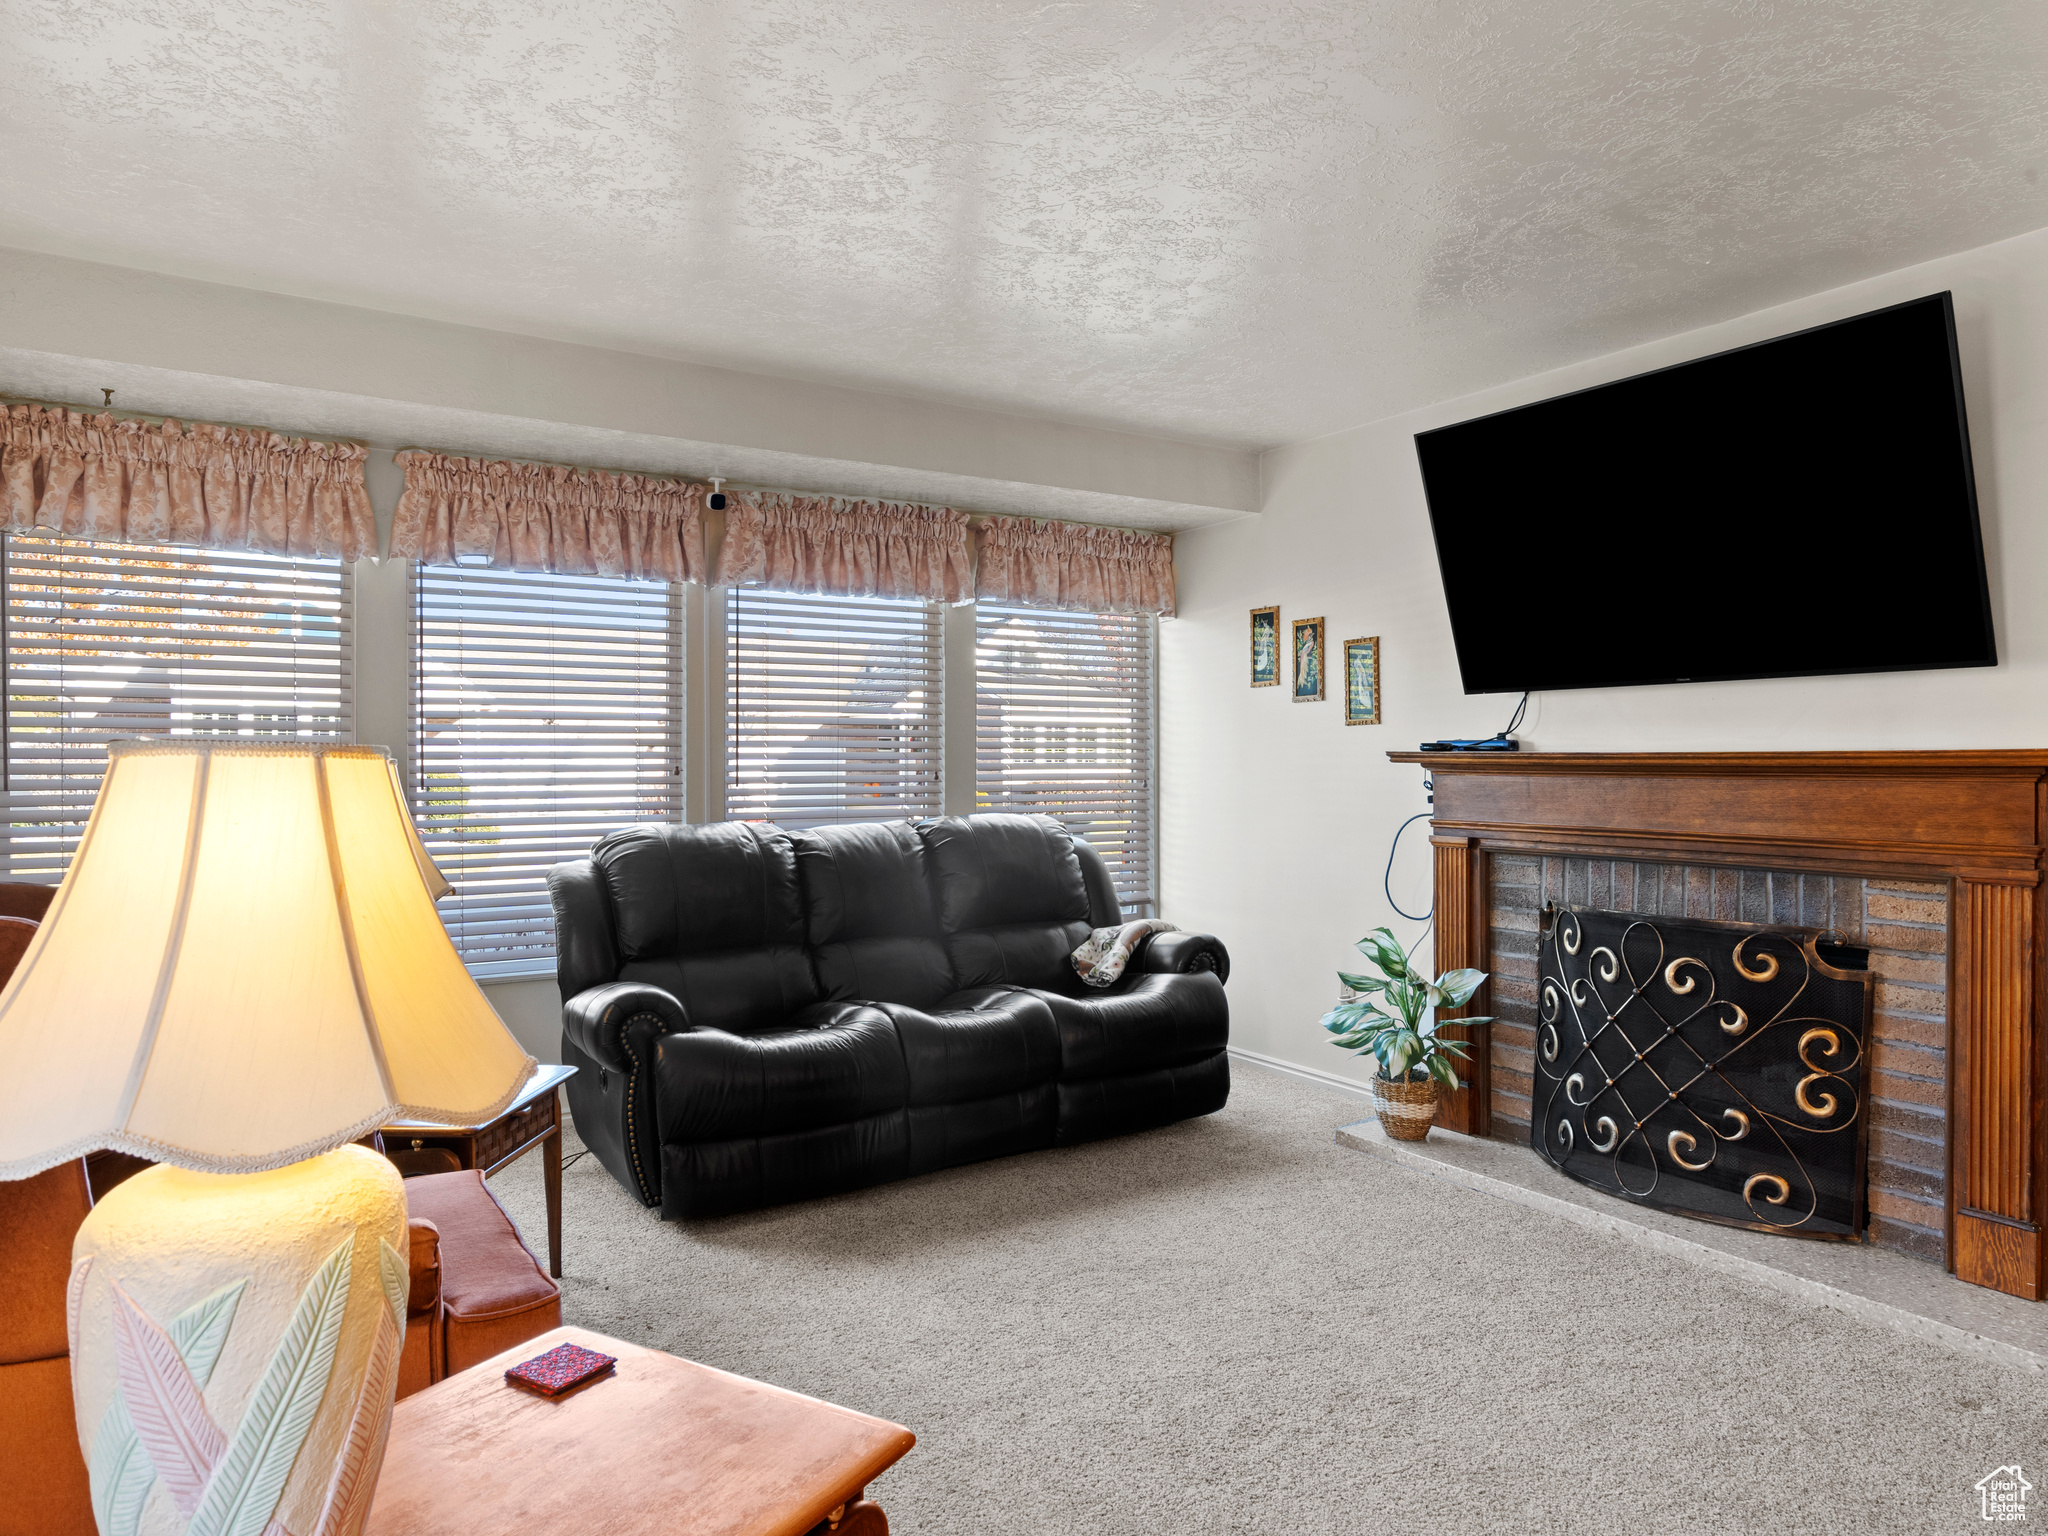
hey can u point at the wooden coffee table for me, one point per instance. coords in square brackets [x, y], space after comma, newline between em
[533, 1120]
[663, 1446]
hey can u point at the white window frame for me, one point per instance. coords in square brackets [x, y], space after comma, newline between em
[170, 642]
[813, 664]
[1077, 796]
[498, 913]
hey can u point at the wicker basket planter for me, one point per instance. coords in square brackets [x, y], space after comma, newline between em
[1406, 1110]
[1391, 1018]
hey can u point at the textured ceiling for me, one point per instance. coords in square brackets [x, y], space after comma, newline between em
[1246, 223]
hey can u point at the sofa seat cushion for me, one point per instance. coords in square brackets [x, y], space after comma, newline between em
[494, 1294]
[976, 1044]
[1154, 1021]
[1018, 955]
[825, 1065]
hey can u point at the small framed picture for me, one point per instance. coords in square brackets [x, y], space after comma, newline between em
[1266, 647]
[1308, 660]
[1362, 681]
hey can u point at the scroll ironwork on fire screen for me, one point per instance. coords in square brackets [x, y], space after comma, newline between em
[1715, 1069]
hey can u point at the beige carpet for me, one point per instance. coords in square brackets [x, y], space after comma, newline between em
[1235, 1325]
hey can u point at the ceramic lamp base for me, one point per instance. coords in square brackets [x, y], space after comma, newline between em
[234, 1347]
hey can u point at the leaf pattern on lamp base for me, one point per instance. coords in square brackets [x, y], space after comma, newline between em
[120, 1471]
[158, 1425]
[362, 1457]
[242, 1495]
[177, 1433]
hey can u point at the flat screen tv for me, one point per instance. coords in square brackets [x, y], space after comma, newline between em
[1800, 507]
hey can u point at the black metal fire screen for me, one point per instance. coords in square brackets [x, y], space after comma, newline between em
[1714, 1069]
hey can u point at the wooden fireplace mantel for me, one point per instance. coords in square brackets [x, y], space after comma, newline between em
[1976, 820]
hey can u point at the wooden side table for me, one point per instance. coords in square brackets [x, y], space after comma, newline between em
[534, 1120]
[662, 1447]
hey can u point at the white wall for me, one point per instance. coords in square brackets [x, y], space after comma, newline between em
[1276, 817]
[172, 346]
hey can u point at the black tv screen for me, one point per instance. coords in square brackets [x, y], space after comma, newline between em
[1804, 506]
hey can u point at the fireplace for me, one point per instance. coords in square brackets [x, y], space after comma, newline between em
[1899, 928]
[1712, 1069]
[1934, 860]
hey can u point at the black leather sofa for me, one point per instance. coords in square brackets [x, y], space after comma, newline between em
[761, 1016]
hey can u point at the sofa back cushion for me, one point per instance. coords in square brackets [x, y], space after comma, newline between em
[1010, 898]
[868, 914]
[998, 868]
[677, 890]
[712, 914]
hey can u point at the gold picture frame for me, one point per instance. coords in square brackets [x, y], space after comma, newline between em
[1266, 647]
[1309, 661]
[1362, 681]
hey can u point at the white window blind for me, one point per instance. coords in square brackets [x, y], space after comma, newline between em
[105, 641]
[1064, 727]
[546, 712]
[833, 708]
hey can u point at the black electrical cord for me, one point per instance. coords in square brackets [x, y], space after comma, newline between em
[1387, 883]
[1387, 880]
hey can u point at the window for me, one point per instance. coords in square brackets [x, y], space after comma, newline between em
[105, 641]
[1063, 726]
[833, 708]
[546, 712]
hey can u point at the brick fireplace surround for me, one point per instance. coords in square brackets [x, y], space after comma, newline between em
[1905, 924]
[1933, 860]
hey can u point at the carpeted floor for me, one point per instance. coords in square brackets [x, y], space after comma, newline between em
[1236, 1325]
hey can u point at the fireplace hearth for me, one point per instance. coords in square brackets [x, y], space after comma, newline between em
[1711, 1069]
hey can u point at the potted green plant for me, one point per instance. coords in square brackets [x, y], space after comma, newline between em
[1393, 1015]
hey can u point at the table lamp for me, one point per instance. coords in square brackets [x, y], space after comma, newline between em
[241, 974]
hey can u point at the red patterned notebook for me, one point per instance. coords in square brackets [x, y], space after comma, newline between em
[563, 1367]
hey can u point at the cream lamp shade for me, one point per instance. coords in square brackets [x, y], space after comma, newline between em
[243, 968]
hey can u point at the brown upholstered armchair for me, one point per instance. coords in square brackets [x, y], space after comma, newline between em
[46, 1494]
[476, 1289]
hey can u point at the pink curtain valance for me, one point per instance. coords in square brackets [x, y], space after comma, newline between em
[846, 548]
[548, 517]
[139, 482]
[1071, 565]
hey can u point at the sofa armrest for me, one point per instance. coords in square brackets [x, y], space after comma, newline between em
[596, 1020]
[423, 1294]
[421, 1357]
[586, 951]
[1103, 909]
[1169, 953]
